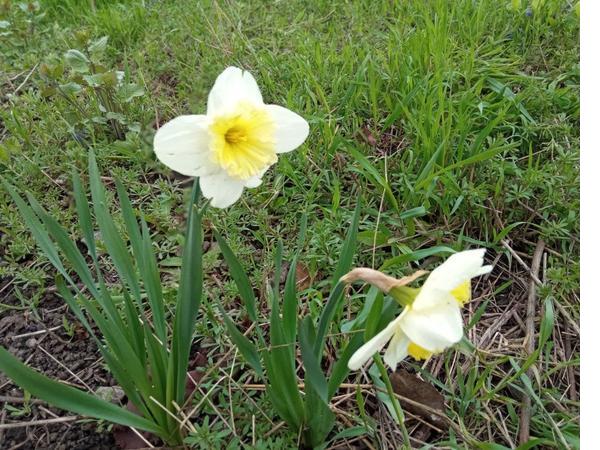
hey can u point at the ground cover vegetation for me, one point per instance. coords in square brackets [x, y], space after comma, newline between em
[434, 127]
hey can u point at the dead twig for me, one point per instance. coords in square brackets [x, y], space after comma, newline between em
[19, 400]
[35, 333]
[33, 423]
[529, 342]
[574, 325]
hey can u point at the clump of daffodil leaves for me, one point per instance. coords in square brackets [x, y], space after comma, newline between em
[227, 149]
[234, 143]
[431, 320]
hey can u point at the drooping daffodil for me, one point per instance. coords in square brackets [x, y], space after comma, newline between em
[431, 320]
[234, 143]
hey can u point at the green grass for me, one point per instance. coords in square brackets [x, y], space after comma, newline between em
[457, 124]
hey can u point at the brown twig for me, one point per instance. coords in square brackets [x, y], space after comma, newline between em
[574, 325]
[10, 399]
[529, 342]
[32, 423]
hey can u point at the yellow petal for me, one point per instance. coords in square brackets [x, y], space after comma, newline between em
[462, 293]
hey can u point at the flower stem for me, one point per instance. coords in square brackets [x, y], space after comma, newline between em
[394, 399]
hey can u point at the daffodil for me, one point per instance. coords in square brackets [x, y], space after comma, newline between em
[432, 321]
[234, 143]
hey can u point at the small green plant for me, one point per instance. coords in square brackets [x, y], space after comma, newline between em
[207, 436]
[68, 327]
[25, 408]
[305, 410]
[98, 95]
[147, 359]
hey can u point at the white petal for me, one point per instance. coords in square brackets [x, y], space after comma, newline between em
[374, 345]
[223, 190]
[457, 269]
[256, 180]
[397, 350]
[253, 182]
[182, 145]
[434, 329]
[291, 130]
[232, 86]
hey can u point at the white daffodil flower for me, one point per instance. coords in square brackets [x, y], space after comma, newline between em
[234, 144]
[432, 322]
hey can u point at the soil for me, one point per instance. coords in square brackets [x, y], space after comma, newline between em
[68, 343]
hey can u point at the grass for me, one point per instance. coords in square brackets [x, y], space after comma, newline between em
[456, 123]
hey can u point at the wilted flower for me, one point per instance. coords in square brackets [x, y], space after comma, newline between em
[432, 321]
[234, 144]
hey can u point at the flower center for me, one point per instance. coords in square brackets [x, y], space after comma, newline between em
[417, 352]
[235, 135]
[242, 141]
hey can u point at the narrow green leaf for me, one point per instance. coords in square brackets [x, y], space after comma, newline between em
[239, 276]
[244, 345]
[281, 367]
[547, 324]
[84, 216]
[188, 300]
[66, 245]
[340, 369]
[416, 255]
[373, 318]
[37, 230]
[374, 176]
[146, 262]
[302, 232]
[290, 303]
[327, 315]
[348, 248]
[67, 397]
[110, 234]
[314, 374]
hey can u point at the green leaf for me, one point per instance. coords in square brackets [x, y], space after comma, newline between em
[319, 419]
[70, 88]
[504, 232]
[340, 369]
[67, 246]
[373, 318]
[85, 217]
[112, 239]
[314, 374]
[239, 276]
[95, 80]
[97, 47]
[67, 397]
[290, 303]
[37, 229]
[244, 345]
[374, 176]
[327, 315]
[281, 368]
[77, 61]
[348, 248]
[130, 91]
[416, 255]
[142, 250]
[188, 301]
[547, 324]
